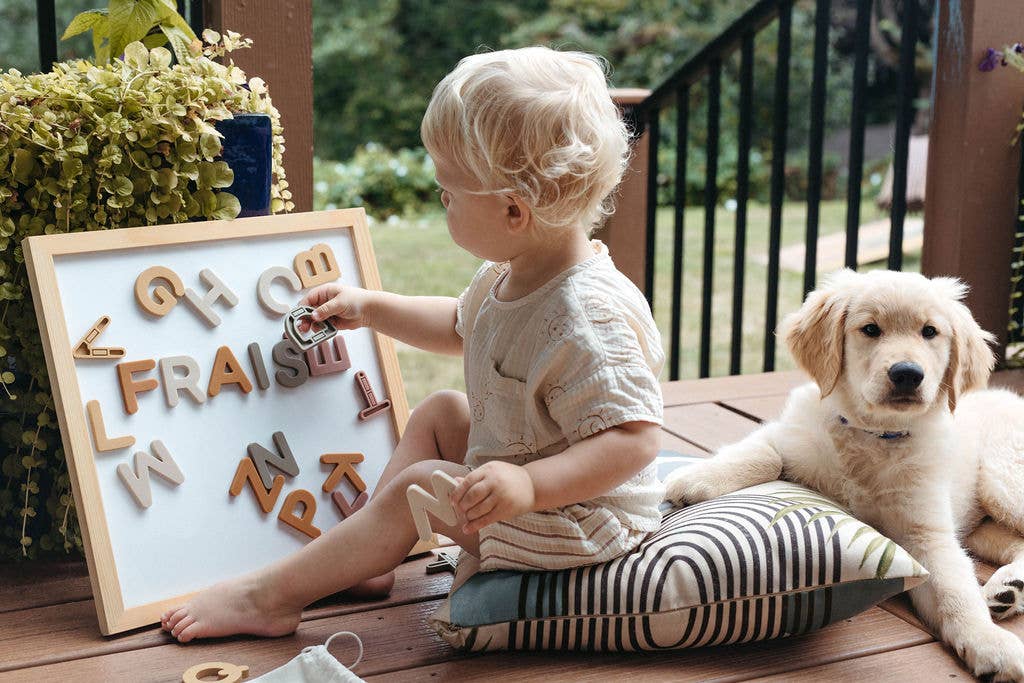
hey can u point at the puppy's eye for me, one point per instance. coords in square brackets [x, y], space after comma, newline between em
[871, 330]
[928, 332]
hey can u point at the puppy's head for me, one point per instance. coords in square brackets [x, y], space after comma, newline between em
[893, 342]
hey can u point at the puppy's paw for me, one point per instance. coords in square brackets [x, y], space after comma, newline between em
[1004, 592]
[993, 653]
[687, 487]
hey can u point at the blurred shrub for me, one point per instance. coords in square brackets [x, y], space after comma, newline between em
[386, 183]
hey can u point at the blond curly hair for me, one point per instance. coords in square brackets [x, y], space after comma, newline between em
[533, 122]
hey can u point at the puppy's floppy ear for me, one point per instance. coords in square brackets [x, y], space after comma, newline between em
[970, 358]
[815, 333]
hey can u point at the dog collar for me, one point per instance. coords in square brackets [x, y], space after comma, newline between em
[880, 435]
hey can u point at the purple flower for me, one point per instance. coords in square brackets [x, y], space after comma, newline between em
[991, 60]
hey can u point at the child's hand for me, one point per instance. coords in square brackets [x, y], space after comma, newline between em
[493, 492]
[345, 307]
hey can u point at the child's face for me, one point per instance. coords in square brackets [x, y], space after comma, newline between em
[479, 223]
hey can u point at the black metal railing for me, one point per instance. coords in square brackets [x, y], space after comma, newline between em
[704, 70]
[46, 23]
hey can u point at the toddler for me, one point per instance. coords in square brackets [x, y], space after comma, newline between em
[553, 445]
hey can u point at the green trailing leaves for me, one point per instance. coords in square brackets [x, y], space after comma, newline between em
[886, 560]
[123, 22]
[822, 508]
[91, 146]
[872, 546]
[86, 21]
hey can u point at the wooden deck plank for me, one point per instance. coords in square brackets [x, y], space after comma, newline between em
[690, 391]
[707, 425]
[55, 633]
[37, 584]
[394, 638]
[760, 408]
[671, 442]
[868, 633]
[49, 623]
[930, 662]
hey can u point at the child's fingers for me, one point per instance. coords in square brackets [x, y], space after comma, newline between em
[328, 309]
[490, 517]
[474, 495]
[482, 508]
[317, 296]
[462, 485]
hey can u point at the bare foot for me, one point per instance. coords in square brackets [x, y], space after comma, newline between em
[236, 606]
[372, 589]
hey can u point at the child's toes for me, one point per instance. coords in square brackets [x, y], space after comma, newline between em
[191, 631]
[177, 616]
[180, 627]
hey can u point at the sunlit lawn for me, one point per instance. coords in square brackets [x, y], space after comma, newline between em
[416, 256]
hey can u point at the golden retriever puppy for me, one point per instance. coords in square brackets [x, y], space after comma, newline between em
[890, 431]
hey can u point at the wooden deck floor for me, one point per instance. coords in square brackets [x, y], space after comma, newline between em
[48, 628]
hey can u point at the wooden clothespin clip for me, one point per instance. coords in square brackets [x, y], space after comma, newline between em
[444, 562]
[84, 348]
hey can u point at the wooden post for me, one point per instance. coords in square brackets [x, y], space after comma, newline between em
[971, 195]
[282, 55]
[625, 231]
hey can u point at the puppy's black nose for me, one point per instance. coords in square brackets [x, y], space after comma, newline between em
[906, 376]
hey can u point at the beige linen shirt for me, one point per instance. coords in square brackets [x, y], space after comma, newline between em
[577, 356]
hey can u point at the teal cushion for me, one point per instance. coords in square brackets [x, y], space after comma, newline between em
[766, 562]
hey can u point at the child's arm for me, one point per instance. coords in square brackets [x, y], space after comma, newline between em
[427, 322]
[498, 491]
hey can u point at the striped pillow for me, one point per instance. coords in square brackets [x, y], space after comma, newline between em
[766, 562]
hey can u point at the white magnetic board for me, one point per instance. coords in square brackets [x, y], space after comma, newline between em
[194, 533]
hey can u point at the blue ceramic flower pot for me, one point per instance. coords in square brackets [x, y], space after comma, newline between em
[247, 150]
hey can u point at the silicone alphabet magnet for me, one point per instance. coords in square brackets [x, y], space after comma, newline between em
[443, 562]
[421, 502]
[373, 406]
[225, 672]
[316, 334]
[85, 349]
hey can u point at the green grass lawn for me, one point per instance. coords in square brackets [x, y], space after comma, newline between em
[416, 256]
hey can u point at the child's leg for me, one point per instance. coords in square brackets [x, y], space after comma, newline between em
[438, 429]
[269, 602]
[371, 542]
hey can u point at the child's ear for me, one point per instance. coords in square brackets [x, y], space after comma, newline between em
[517, 213]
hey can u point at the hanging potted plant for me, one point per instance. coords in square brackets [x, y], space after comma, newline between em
[246, 137]
[1013, 56]
[129, 140]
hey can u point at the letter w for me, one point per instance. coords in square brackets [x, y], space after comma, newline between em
[421, 502]
[160, 462]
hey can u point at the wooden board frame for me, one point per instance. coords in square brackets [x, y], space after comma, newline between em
[40, 252]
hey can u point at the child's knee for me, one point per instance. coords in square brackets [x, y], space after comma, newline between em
[449, 401]
[419, 473]
[445, 404]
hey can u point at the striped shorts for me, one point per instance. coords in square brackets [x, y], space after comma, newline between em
[547, 540]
